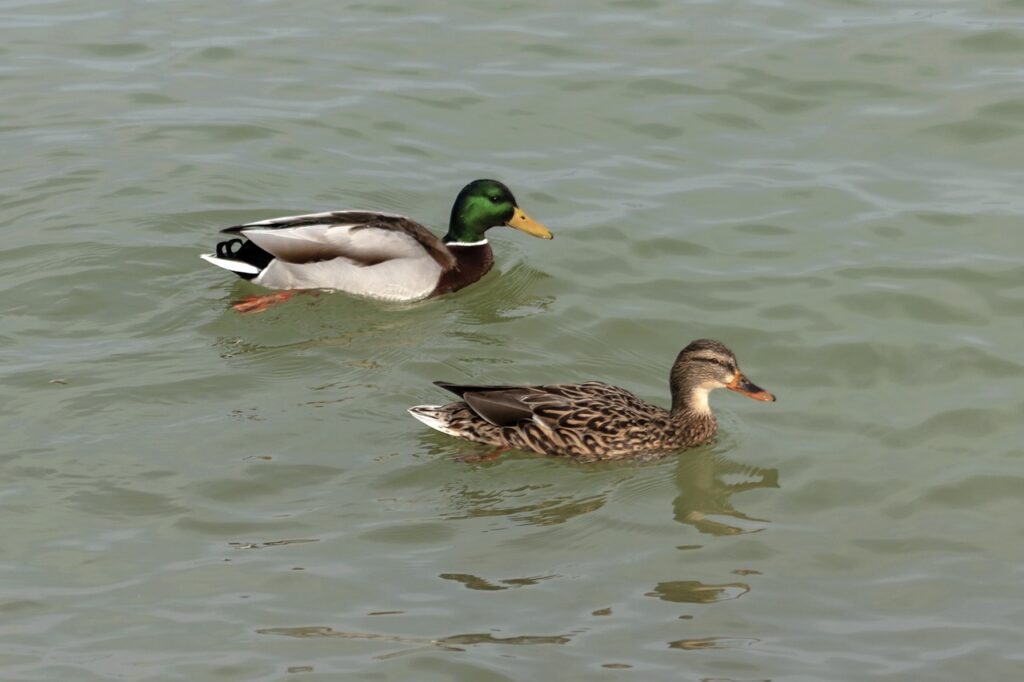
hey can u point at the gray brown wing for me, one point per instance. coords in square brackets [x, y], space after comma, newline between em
[500, 408]
[362, 237]
[500, 405]
[593, 406]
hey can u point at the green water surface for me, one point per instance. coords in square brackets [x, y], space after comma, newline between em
[833, 188]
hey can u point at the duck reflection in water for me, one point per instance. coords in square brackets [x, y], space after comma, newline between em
[705, 482]
[704, 495]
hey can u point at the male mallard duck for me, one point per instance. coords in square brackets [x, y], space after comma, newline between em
[593, 420]
[377, 255]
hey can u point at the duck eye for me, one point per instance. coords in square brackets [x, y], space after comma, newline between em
[495, 199]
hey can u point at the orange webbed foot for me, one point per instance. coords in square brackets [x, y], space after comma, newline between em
[257, 304]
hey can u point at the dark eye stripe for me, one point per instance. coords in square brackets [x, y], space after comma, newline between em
[715, 361]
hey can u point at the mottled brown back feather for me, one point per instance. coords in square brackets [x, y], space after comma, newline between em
[588, 421]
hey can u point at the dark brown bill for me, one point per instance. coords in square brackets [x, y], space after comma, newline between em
[743, 385]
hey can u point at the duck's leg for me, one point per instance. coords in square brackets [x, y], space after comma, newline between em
[489, 457]
[257, 304]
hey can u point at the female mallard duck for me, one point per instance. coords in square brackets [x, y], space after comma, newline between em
[595, 421]
[377, 255]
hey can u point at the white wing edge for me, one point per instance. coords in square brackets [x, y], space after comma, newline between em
[232, 265]
[324, 214]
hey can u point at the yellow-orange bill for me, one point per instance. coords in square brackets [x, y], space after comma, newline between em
[525, 223]
[742, 385]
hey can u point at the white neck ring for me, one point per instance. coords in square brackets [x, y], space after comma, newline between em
[479, 243]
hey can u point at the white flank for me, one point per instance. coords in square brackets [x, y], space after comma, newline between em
[232, 265]
[401, 279]
[423, 413]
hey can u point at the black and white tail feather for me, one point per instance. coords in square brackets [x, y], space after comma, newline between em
[241, 257]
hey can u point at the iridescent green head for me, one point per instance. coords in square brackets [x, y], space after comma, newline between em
[483, 204]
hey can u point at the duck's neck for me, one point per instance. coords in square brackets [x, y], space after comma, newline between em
[694, 422]
[472, 261]
[465, 227]
[691, 402]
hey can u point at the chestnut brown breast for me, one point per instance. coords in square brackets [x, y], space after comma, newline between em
[471, 263]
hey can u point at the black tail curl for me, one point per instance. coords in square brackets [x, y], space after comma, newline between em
[245, 251]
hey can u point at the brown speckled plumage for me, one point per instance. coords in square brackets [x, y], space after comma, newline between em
[593, 420]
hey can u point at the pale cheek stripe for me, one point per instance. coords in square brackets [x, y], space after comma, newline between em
[479, 243]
